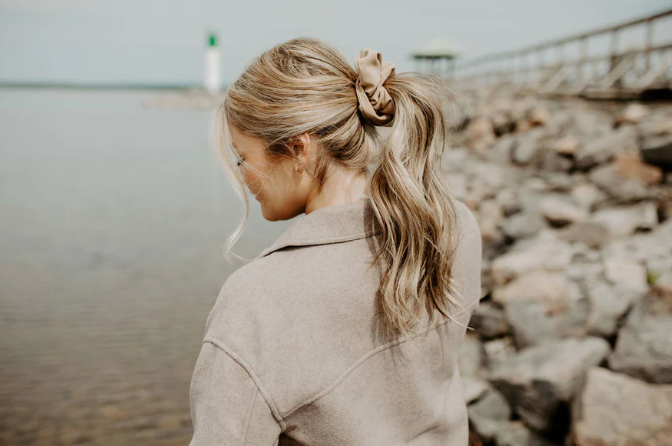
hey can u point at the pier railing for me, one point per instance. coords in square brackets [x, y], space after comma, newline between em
[618, 61]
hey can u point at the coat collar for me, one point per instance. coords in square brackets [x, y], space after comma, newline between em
[331, 224]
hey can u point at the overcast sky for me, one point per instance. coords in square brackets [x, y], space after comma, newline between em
[162, 41]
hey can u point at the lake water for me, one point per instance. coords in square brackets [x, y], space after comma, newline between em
[112, 222]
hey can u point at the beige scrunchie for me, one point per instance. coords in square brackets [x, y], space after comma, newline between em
[374, 100]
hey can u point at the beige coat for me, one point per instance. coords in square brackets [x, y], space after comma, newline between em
[294, 353]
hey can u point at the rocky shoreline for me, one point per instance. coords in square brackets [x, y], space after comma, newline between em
[572, 343]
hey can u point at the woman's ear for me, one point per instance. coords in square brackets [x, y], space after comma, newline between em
[303, 147]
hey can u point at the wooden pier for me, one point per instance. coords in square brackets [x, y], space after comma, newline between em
[623, 61]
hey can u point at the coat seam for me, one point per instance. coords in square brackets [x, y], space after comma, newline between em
[249, 417]
[250, 371]
[324, 392]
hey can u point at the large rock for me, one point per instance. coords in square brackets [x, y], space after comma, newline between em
[543, 252]
[632, 114]
[590, 124]
[567, 145]
[631, 166]
[489, 219]
[529, 323]
[474, 388]
[560, 211]
[539, 115]
[619, 188]
[498, 351]
[625, 273]
[480, 134]
[571, 322]
[615, 409]
[657, 150]
[539, 381]
[608, 304]
[590, 233]
[488, 414]
[523, 224]
[529, 144]
[549, 289]
[624, 220]
[587, 195]
[652, 249]
[603, 148]
[502, 150]
[644, 344]
[489, 321]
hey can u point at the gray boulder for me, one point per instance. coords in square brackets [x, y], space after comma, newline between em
[615, 409]
[644, 344]
[540, 381]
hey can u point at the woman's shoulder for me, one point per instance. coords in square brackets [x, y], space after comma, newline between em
[468, 259]
[243, 295]
[467, 221]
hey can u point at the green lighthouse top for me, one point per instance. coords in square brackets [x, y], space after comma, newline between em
[212, 39]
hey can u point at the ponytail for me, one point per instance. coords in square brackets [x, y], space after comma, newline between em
[416, 212]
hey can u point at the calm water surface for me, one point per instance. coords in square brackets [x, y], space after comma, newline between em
[112, 221]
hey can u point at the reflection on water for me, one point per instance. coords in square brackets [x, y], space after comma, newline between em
[112, 223]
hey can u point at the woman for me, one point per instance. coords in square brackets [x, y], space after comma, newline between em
[346, 330]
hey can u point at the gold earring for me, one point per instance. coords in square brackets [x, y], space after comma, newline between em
[296, 169]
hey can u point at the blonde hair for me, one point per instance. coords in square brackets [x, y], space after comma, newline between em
[305, 85]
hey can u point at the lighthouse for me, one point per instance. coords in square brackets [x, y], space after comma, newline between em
[211, 75]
